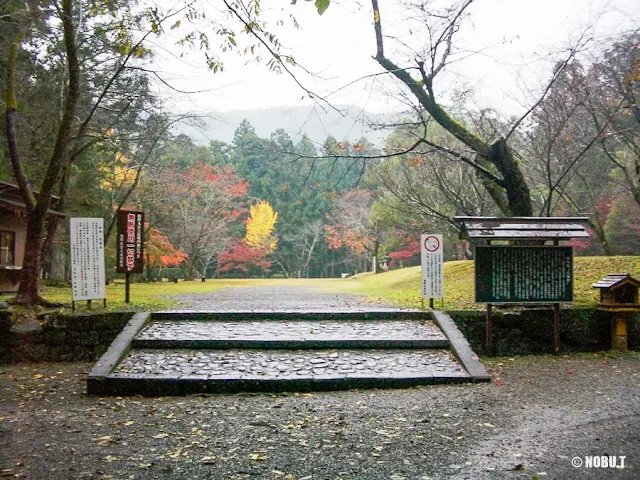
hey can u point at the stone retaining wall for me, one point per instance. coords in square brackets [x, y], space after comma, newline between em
[531, 331]
[67, 338]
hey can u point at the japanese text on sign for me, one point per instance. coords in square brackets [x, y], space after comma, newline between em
[431, 253]
[130, 257]
[87, 258]
[513, 274]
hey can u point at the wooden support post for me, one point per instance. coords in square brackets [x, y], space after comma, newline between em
[488, 332]
[73, 305]
[619, 339]
[556, 328]
[127, 287]
[104, 302]
[88, 304]
[431, 303]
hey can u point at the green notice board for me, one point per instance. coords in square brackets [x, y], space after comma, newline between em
[519, 274]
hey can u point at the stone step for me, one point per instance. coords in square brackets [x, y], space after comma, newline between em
[282, 351]
[327, 314]
[290, 334]
[178, 372]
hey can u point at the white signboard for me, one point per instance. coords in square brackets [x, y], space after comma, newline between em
[431, 248]
[87, 258]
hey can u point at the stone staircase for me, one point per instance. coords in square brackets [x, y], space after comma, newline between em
[177, 353]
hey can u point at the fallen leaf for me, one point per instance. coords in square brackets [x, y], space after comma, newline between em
[107, 439]
[110, 458]
[175, 454]
[161, 435]
[257, 457]
[208, 460]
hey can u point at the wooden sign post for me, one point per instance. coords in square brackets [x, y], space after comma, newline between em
[530, 267]
[130, 247]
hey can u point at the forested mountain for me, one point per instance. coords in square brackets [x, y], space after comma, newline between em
[314, 122]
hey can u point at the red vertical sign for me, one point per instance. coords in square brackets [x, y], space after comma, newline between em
[130, 258]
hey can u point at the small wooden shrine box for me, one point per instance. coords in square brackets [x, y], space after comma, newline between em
[619, 295]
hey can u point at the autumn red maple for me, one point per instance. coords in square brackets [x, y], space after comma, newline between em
[407, 250]
[208, 203]
[242, 257]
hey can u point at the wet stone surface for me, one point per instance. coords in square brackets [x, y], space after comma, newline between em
[285, 330]
[245, 364]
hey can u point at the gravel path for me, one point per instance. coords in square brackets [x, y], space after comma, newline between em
[275, 298]
[535, 416]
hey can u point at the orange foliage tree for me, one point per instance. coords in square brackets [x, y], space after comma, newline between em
[160, 252]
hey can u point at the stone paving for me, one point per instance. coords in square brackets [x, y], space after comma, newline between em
[298, 364]
[280, 339]
[292, 330]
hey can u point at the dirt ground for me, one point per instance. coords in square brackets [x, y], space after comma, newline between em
[536, 415]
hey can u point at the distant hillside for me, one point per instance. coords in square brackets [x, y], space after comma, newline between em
[296, 121]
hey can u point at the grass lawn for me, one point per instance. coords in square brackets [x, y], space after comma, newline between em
[157, 296]
[400, 287]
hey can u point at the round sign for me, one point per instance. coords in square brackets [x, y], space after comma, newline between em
[431, 243]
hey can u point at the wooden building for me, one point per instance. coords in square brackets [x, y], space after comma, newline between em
[13, 236]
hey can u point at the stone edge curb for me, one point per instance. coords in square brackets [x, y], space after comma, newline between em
[97, 379]
[153, 387]
[190, 315]
[290, 344]
[460, 347]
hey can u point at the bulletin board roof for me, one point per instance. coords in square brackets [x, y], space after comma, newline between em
[522, 228]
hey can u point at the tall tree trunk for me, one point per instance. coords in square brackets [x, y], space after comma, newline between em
[37, 210]
[30, 275]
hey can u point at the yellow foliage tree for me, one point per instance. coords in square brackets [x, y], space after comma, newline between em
[260, 226]
[117, 174]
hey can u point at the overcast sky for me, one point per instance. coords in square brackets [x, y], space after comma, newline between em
[518, 40]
